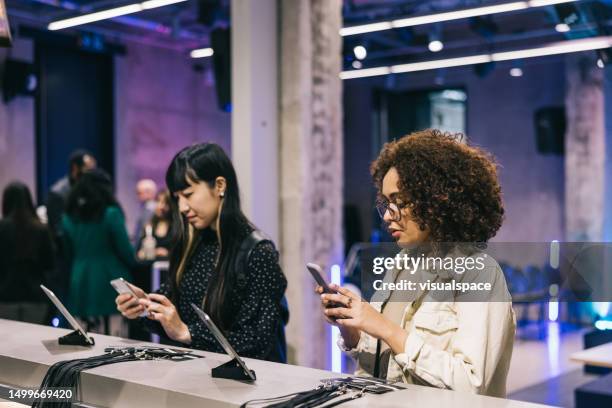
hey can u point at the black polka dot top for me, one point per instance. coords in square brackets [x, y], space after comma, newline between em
[256, 301]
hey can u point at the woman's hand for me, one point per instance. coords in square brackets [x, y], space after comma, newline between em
[128, 305]
[354, 313]
[161, 309]
[325, 305]
[351, 311]
[350, 335]
[161, 252]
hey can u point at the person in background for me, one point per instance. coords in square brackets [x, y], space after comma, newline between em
[160, 228]
[26, 257]
[219, 262]
[79, 162]
[146, 189]
[152, 248]
[98, 249]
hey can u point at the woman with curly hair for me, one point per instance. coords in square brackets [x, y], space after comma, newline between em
[440, 196]
[98, 249]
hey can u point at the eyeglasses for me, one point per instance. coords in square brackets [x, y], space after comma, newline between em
[382, 206]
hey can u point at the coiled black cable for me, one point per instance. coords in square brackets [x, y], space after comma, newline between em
[66, 374]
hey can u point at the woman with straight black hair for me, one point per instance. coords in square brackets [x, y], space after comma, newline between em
[219, 261]
[26, 257]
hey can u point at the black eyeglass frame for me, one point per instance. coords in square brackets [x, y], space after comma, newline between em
[395, 209]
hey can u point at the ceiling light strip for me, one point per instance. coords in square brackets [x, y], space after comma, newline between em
[565, 47]
[459, 14]
[448, 16]
[110, 13]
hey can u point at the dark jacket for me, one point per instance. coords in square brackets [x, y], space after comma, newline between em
[25, 262]
[56, 201]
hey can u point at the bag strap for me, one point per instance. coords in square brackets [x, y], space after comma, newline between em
[242, 260]
[244, 253]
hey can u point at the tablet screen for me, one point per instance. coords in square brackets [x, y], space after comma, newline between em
[221, 339]
[60, 306]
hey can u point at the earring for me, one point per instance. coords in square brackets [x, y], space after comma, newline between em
[222, 194]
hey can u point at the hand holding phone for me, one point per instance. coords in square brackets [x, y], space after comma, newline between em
[127, 306]
[317, 273]
[122, 286]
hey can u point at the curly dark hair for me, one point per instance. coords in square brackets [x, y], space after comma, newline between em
[91, 196]
[450, 187]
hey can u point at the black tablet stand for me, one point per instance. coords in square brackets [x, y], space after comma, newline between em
[233, 371]
[75, 338]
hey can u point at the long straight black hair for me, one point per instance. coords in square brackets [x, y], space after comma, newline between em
[17, 205]
[204, 163]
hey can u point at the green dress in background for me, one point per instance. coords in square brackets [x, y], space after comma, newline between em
[98, 252]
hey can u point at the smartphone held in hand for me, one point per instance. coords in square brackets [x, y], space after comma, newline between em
[122, 286]
[317, 273]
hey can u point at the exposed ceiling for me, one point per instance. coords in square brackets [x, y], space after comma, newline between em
[512, 30]
[180, 26]
[187, 25]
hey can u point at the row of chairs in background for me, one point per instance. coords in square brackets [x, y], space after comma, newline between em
[540, 287]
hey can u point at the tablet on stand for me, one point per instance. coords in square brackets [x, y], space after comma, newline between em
[79, 336]
[235, 369]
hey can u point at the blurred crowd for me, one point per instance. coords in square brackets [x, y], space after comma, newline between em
[76, 243]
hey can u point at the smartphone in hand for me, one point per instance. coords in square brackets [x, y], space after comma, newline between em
[122, 286]
[317, 273]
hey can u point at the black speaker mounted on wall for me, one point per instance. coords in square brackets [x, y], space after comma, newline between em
[549, 125]
[208, 11]
[18, 79]
[220, 40]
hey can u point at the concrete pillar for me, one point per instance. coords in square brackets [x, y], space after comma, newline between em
[255, 110]
[607, 228]
[607, 232]
[584, 149]
[587, 169]
[311, 164]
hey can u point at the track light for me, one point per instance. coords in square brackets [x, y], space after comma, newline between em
[603, 57]
[435, 46]
[568, 16]
[435, 39]
[516, 72]
[360, 52]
